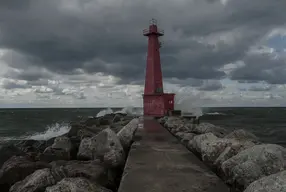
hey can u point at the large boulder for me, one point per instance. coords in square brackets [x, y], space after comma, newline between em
[182, 128]
[81, 130]
[36, 182]
[7, 151]
[92, 170]
[86, 149]
[60, 150]
[125, 135]
[209, 128]
[17, 168]
[34, 146]
[195, 144]
[272, 183]
[211, 149]
[173, 123]
[163, 120]
[109, 149]
[186, 137]
[231, 151]
[242, 135]
[253, 163]
[76, 185]
[43, 178]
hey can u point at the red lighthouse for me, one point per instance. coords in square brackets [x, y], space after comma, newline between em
[156, 103]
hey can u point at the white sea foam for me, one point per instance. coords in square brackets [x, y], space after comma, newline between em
[131, 110]
[104, 112]
[53, 130]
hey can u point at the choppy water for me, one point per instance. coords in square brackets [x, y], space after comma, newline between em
[267, 123]
[42, 124]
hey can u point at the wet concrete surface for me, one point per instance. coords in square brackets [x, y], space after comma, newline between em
[157, 162]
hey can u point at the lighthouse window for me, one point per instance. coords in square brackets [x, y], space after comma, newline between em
[159, 90]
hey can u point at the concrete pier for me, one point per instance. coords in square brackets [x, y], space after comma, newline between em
[157, 162]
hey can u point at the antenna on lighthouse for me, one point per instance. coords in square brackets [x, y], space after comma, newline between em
[153, 21]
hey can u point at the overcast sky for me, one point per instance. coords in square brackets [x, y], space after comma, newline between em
[91, 53]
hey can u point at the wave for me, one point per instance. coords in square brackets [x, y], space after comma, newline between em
[131, 111]
[214, 113]
[104, 112]
[53, 130]
[126, 110]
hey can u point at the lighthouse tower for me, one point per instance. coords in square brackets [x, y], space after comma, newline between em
[156, 103]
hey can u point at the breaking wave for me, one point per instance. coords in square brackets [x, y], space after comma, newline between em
[214, 113]
[53, 130]
[104, 112]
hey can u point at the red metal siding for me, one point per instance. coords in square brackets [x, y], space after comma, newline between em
[154, 105]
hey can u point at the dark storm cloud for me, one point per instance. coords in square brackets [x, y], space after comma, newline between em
[262, 67]
[109, 39]
[28, 74]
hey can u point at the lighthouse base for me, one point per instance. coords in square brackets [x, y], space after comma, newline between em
[158, 105]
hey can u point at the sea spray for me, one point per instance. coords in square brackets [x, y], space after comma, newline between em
[104, 112]
[53, 130]
[131, 110]
[189, 104]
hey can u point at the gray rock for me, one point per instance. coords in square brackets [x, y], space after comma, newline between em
[254, 163]
[195, 144]
[182, 128]
[34, 145]
[36, 182]
[86, 149]
[211, 149]
[125, 135]
[109, 149]
[272, 183]
[76, 185]
[117, 118]
[62, 143]
[17, 168]
[209, 128]
[186, 137]
[43, 178]
[7, 151]
[163, 120]
[231, 151]
[82, 130]
[179, 134]
[60, 150]
[92, 170]
[242, 135]
[173, 122]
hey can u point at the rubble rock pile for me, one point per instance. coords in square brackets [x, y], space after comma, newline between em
[238, 157]
[90, 157]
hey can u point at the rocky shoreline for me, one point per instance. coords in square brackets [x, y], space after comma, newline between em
[90, 157]
[238, 158]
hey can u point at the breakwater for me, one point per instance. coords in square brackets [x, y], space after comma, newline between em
[90, 157]
[122, 153]
[238, 157]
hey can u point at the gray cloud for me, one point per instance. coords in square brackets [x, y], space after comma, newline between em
[98, 39]
[211, 86]
[260, 88]
[14, 85]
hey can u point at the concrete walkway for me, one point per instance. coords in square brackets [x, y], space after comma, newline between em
[157, 162]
